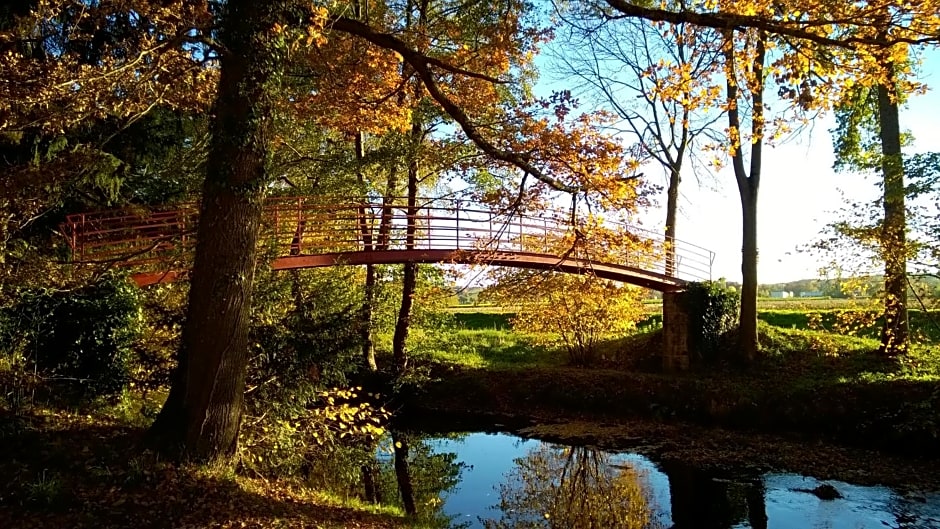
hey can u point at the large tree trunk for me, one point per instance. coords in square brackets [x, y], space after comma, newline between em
[895, 333]
[202, 415]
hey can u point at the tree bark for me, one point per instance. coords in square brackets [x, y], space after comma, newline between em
[371, 486]
[410, 273]
[201, 417]
[895, 334]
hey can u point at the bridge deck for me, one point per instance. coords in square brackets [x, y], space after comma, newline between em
[302, 233]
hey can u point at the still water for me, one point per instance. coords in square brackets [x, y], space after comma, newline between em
[503, 481]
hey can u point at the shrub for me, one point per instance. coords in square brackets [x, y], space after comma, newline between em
[713, 312]
[80, 339]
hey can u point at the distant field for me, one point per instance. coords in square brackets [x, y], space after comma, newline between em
[925, 326]
[812, 303]
[654, 306]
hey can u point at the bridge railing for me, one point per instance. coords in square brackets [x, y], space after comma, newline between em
[306, 225]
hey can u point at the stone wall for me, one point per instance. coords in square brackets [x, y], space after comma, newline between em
[675, 331]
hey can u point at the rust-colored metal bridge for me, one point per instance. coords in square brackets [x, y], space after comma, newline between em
[306, 232]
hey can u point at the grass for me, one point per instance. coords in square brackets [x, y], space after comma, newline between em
[484, 349]
[806, 380]
[89, 469]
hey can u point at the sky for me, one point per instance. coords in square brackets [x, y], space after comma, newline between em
[798, 196]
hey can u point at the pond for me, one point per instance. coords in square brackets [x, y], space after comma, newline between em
[502, 471]
[482, 480]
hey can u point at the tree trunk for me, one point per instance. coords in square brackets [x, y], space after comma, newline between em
[368, 346]
[371, 486]
[895, 333]
[403, 474]
[672, 207]
[748, 317]
[410, 279]
[202, 415]
[748, 184]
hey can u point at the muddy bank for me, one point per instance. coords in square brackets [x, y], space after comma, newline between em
[687, 418]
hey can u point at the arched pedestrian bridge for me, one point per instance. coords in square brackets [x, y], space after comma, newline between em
[306, 232]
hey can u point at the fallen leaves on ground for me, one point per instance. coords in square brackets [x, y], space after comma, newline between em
[68, 470]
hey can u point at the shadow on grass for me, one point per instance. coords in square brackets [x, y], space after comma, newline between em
[62, 472]
[498, 321]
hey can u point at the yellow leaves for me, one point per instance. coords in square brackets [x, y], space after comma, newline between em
[575, 310]
[131, 73]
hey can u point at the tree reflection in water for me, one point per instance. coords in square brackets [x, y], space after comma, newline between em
[573, 488]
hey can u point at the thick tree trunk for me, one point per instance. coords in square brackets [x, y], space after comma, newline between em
[203, 413]
[895, 333]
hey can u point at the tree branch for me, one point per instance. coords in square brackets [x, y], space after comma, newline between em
[422, 66]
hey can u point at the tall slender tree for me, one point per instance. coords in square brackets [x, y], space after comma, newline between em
[657, 79]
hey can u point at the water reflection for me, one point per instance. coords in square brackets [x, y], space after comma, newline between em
[501, 482]
[406, 471]
[509, 482]
[572, 487]
[700, 500]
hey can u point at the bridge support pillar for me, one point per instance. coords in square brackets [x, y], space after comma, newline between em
[675, 331]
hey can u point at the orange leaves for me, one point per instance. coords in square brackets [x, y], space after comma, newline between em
[355, 86]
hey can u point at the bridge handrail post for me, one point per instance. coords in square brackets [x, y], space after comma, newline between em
[521, 240]
[181, 226]
[81, 252]
[457, 221]
[489, 229]
[277, 223]
[300, 234]
[544, 235]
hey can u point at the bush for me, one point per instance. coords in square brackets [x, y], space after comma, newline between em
[80, 339]
[713, 313]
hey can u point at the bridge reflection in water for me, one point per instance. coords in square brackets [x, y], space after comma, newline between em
[304, 232]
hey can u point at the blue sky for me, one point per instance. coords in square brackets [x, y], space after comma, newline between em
[798, 196]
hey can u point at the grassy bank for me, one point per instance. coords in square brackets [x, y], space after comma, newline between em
[808, 382]
[88, 469]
